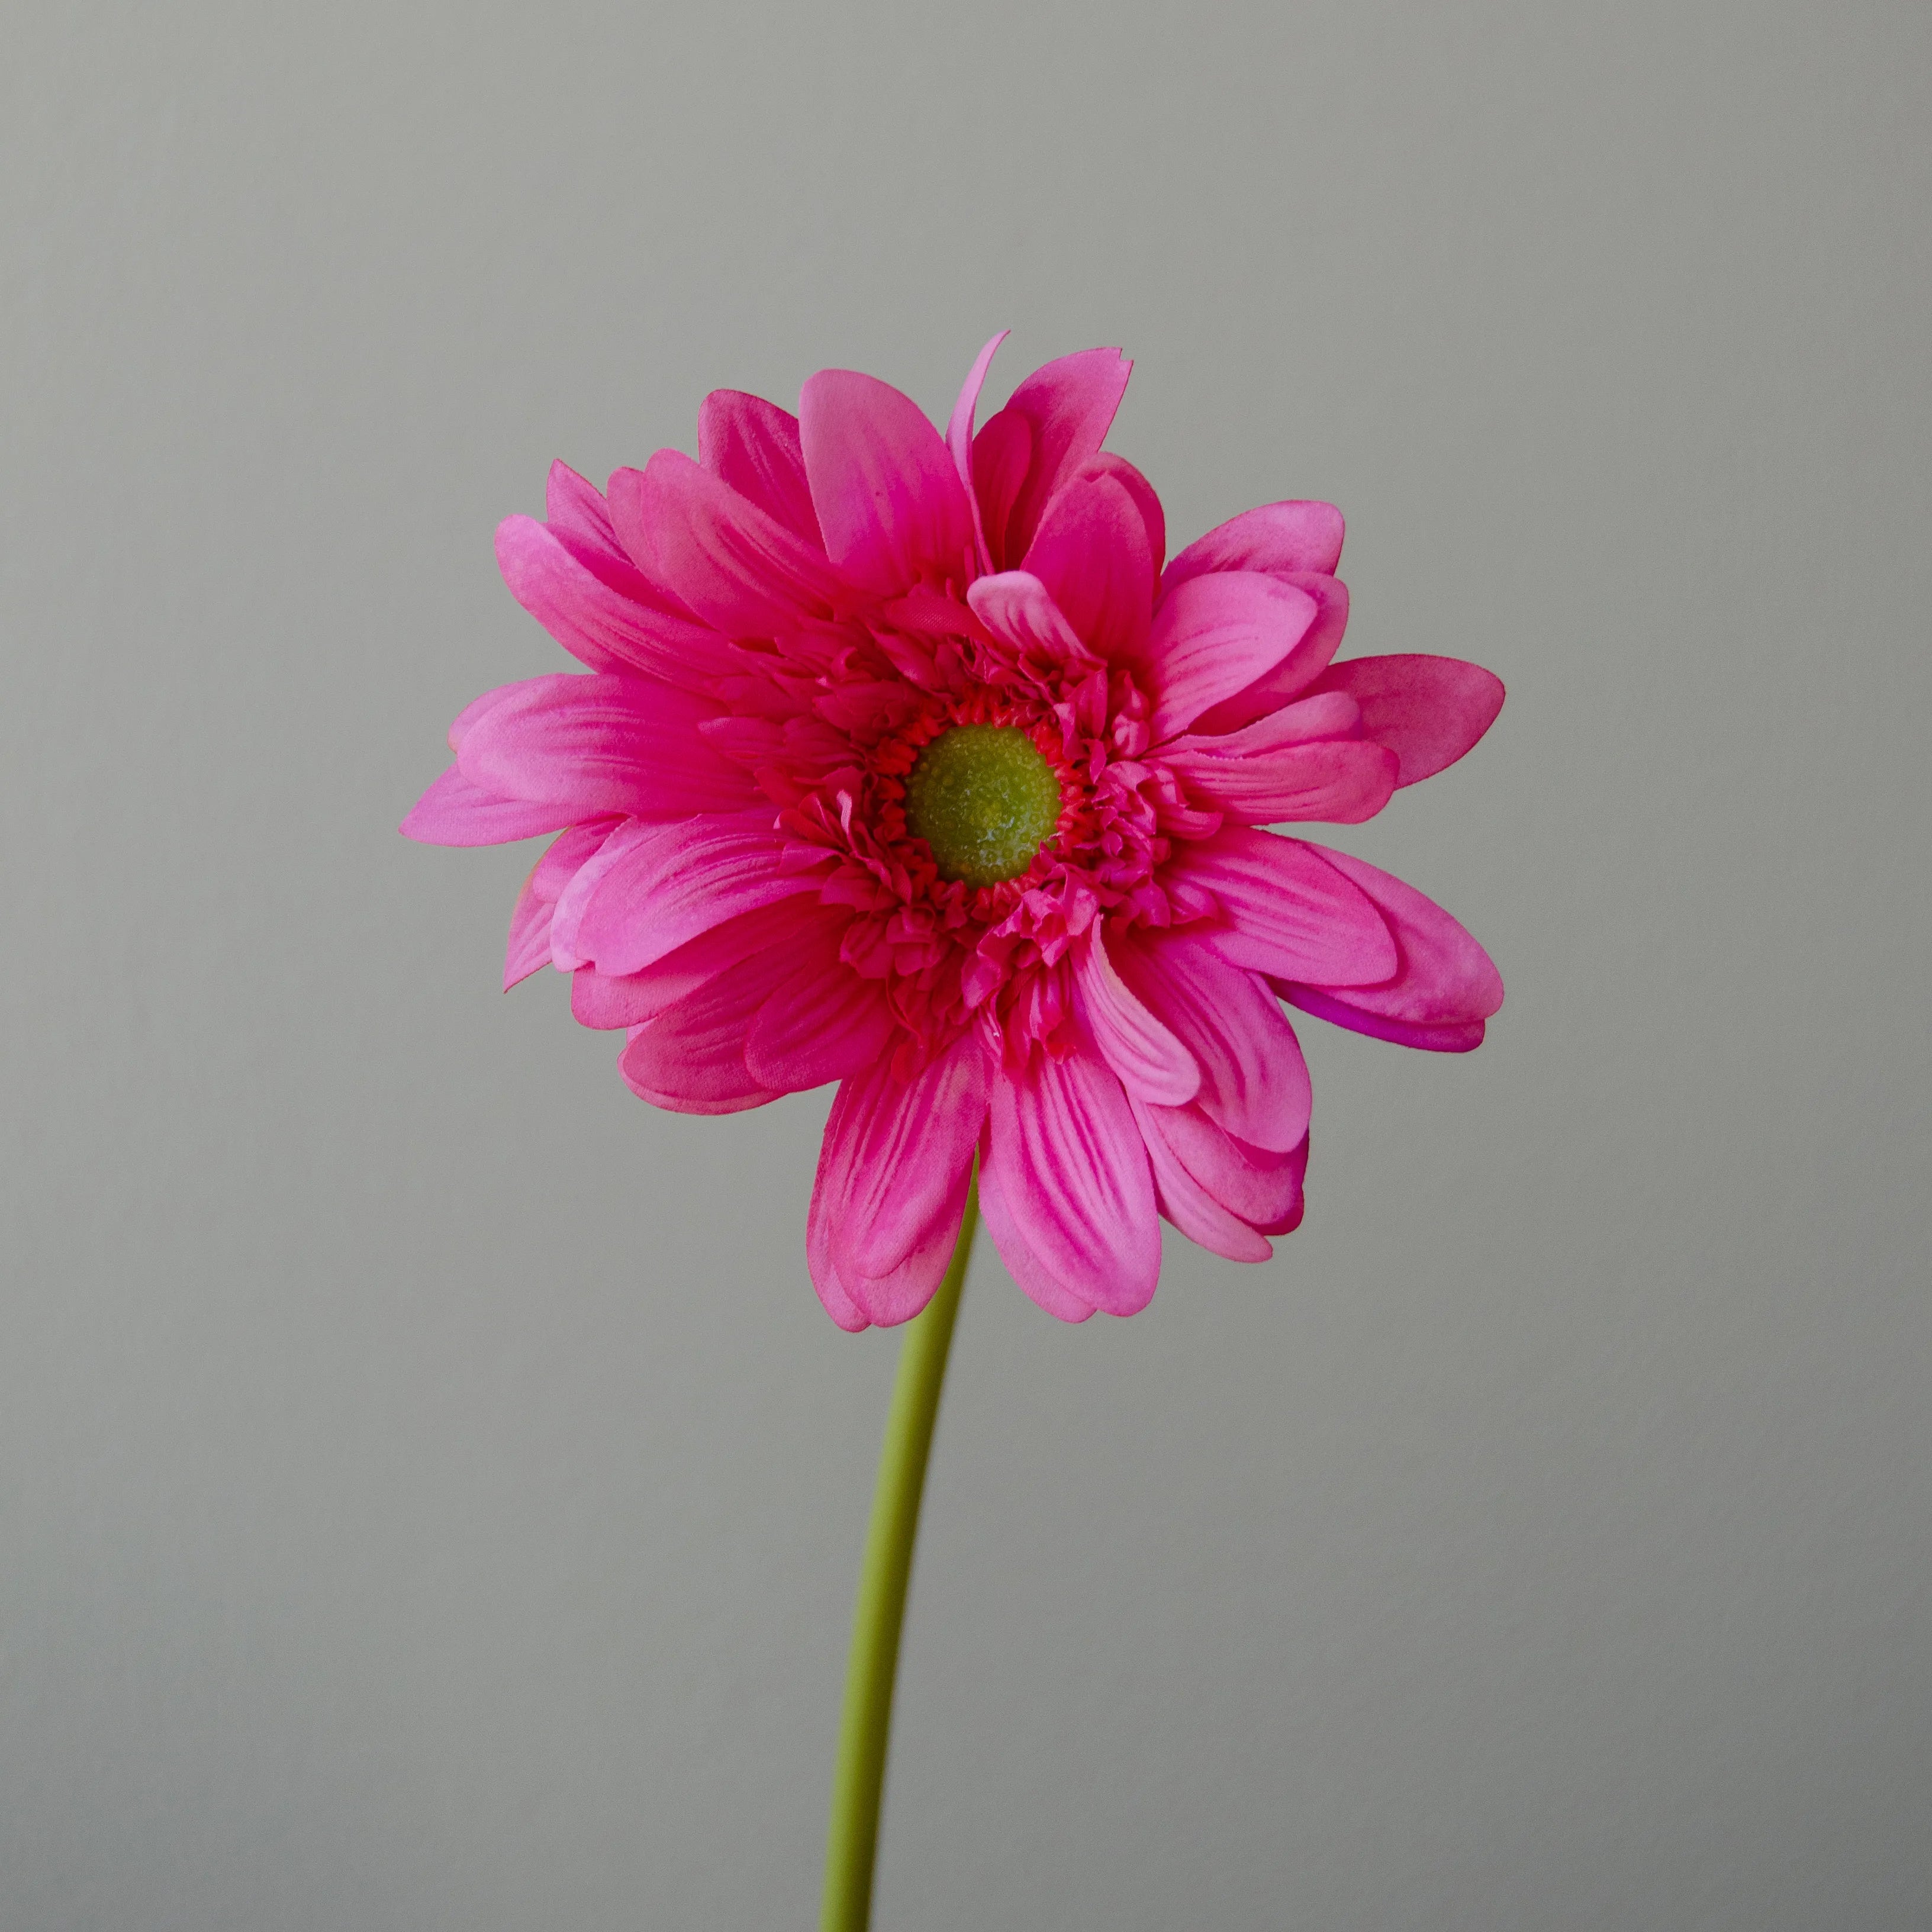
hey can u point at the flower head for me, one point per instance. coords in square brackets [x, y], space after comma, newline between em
[908, 761]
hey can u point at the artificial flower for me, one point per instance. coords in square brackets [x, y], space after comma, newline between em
[906, 760]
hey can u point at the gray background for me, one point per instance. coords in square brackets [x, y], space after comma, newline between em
[431, 1491]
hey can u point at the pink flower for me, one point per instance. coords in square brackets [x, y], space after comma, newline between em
[900, 760]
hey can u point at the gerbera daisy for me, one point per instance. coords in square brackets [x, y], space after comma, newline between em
[906, 760]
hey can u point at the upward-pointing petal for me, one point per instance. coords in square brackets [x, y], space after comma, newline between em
[890, 501]
[753, 445]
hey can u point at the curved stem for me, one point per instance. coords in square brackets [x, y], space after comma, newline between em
[859, 1782]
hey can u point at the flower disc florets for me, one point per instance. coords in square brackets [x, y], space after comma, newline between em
[908, 760]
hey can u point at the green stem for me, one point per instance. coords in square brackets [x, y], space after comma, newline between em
[851, 1844]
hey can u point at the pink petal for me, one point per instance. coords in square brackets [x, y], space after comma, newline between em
[1261, 1188]
[1281, 904]
[1253, 1080]
[1070, 1168]
[1153, 519]
[1151, 1062]
[1464, 1038]
[1091, 553]
[529, 945]
[606, 1000]
[959, 435]
[1065, 407]
[1030, 1274]
[1189, 1205]
[1019, 610]
[753, 445]
[576, 508]
[738, 568]
[1276, 537]
[1441, 977]
[1255, 782]
[1296, 672]
[602, 609]
[605, 745]
[890, 501]
[477, 707]
[454, 812]
[1428, 711]
[822, 1023]
[1214, 636]
[691, 1058]
[891, 1188]
[652, 887]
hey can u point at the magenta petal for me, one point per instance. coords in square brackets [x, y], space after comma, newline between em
[890, 501]
[575, 507]
[959, 435]
[822, 1023]
[607, 1000]
[738, 568]
[892, 1172]
[1464, 1037]
[454, 812]
[1070, 1165]
[1276, 537]
[1153, 519]
[1298, 671]
[652, 887]
[478, 707]
[605, 745]
[1262, 1188]
[1019, 610]
[753, 445]
[1254, 1081]
[1033, 1276]
[1065, 408]
[529, 945]
[1190, 1206]
[1281, 903]
[602, 609]
[1343, 780]
[1429, 711]
[1443, 977]
[1091, 553]
[1214, 636]
[1152, 1062]
[691, 1058]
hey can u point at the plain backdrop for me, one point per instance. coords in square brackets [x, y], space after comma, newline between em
[430, 1493]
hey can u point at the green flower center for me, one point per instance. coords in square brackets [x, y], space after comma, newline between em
[985, 801]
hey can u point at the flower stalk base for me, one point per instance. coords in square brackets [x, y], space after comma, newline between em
[865, 1728]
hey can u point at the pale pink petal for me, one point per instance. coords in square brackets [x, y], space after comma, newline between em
[1303, 666]
[1259, 776]
[892, 1173]
[753, 445]
[959, 435]
[890, 501]
[605, 745]
[1262, 1188]
[477, 707]
[529, 945]
[1464, 1037]
[1281, 904]
[1019, 610]
[1091, 553]
[602, 609]
[575, 507]
[739, 568]
[1150, 1061]
[1253, 1079]
[1070, 1165]
[1066, 408]
[1429, 711]
[1030, 1274]
[1441, 977]
[654, 886]
[1214, 636]
[454, 812]
[1190, 1206]
[606, 1000]
[821, 1023]
[691, 1058]
[1276, 537]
